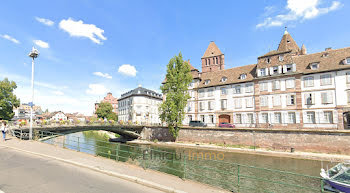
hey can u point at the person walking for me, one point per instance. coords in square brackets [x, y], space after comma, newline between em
[3, 130]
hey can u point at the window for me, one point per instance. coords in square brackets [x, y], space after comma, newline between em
[326, 79]
[263, 86]
[189, 118]
[278, 117]
[237, 89]
[249, 102]
[347, 61]
[203, 118]
[268, 60]
[290, 99]
[328, 116]
[275, 70]
[309, 99]
[206, 82]
[308, 81]
[310, 117]
[263, 101]
[348, 96]
[210, 92]
[211, 118]
[277, 100]
[327, 97]
[280, 58]
[276, 85]
[238, 118]
[208, 61]
[290, 83]
[291, 118]
[189, 107]
[224, 104]
[243, 76]
[314, 66]
[264, 118]
[289, 68]
[201, 106]
[250, 118]
[201, 93]
[248, 88]
[223, 91]
[238, 103]
[223, 79]
[210, 105]
[262, 72]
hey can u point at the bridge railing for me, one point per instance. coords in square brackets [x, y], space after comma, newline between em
[208, 167]
[24, 124]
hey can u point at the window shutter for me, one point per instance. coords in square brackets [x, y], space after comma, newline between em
[267, 71]
[313, 98]
[324, 98]
[284, 68]
[271, 70]
[330, 98]
[258, 72]
[294, 67]
[306, 98]
[280, 69]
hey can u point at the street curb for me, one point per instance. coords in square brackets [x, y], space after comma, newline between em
[115, 174]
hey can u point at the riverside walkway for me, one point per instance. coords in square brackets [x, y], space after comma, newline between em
[82, 162]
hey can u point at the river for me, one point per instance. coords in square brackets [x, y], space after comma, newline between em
[224, 171]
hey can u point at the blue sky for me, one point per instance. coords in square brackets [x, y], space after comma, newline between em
[88, 48]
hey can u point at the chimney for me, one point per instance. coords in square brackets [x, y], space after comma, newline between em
[327, 49]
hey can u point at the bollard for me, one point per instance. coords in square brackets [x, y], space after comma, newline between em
[78, 145]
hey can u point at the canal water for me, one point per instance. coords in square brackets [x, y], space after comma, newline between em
[237, 172]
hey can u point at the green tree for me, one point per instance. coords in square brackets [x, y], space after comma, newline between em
[8, 100]
[172, 110]
[104, 109]
[112, 116]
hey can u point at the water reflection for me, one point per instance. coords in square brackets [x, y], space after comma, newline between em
[224, 173]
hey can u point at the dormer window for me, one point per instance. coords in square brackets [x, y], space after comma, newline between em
[223, 79]
[206, 82]
[262, 72]
[243, 76]
[347, 61]
[314, 66]
[268, 60]
[289, 67]
[280, 58]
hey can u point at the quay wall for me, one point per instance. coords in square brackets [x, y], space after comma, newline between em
[308, 140]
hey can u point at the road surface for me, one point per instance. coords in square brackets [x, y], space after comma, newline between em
[25, 173]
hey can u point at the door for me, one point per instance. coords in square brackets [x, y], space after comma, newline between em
[346, 119]
[224, 119]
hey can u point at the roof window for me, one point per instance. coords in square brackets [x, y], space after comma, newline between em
[224, 79]
[347, 61]
[243, 76]
[206, 82]
[314, 65]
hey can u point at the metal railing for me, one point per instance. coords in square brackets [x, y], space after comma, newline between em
[216, 172]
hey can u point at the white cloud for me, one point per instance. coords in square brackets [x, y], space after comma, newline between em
[106, 75]
[5, 36]
[45, 21]
[79, 29]
[41, 43]
[57, 92]
[299, 10]
[127, 70]
[97, 89]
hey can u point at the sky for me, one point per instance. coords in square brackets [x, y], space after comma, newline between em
[88, 48]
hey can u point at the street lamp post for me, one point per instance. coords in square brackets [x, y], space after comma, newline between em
[33, 54]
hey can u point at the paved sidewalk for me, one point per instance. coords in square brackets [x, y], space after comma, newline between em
[151, 178]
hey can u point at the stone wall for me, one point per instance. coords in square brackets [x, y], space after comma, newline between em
[301, 140]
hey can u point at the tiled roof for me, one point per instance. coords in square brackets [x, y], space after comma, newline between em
[328, 60]
[232, 75]
[287, 43]
[212, 50]
[274, 52]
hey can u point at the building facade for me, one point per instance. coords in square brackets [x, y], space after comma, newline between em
[140, 105]
[109, 99]
[287, 88]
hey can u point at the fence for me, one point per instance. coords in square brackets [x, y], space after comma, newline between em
[230, 176]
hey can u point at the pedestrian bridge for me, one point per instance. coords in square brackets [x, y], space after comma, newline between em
[127, 131]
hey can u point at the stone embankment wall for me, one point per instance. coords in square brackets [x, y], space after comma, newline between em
[323, 141]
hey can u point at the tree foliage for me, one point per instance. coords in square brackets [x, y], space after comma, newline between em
[105, 110]
[8, 100]
[172, 110]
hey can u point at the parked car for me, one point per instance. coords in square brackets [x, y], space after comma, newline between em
[197, 124]
[227, 125]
